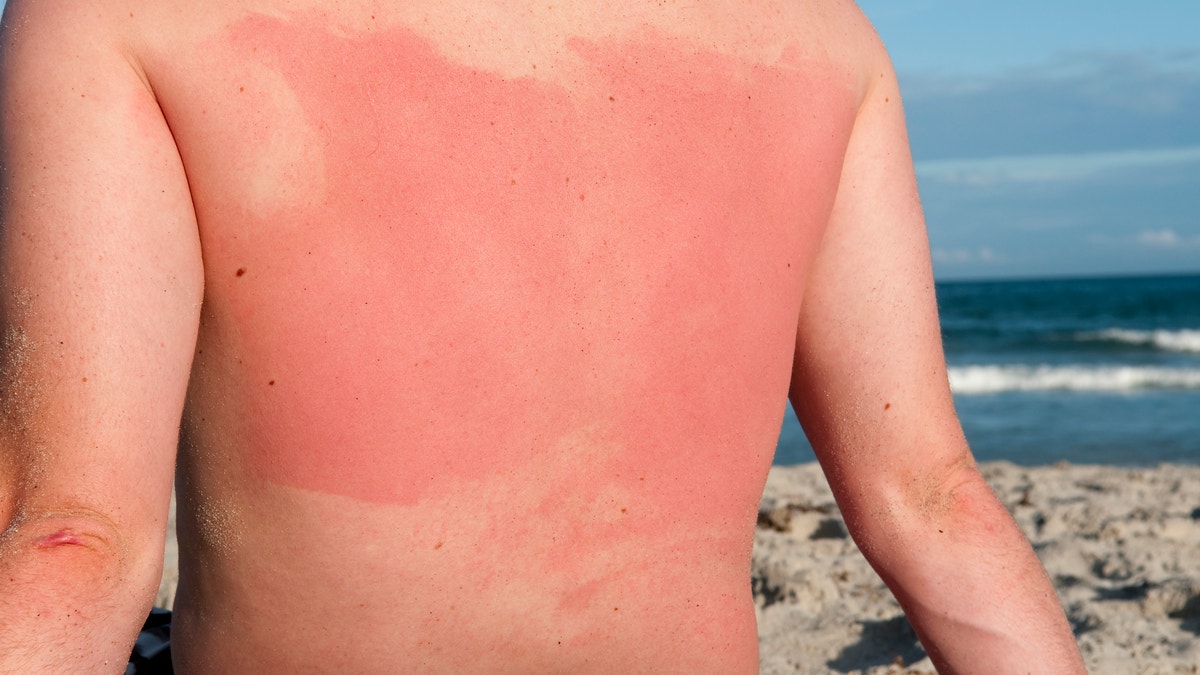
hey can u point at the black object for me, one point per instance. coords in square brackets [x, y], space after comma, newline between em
[152, 651]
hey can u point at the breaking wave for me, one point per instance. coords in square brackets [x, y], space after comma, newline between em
[1186, 340]
[993, 379]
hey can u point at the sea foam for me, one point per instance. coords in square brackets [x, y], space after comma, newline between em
[1185, 340]
[991, 379]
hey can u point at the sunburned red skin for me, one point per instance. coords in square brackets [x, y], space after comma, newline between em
[477, 272]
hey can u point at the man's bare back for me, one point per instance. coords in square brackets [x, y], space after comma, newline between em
[499, 309]
[503, 337]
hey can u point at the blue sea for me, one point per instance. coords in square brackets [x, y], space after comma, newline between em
[1096, 371]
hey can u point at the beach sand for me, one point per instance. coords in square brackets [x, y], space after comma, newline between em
[1121, 545]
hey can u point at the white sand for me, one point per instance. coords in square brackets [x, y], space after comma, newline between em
[1122, 546]
[170, 576]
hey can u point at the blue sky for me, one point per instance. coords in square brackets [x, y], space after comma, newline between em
[1052, 138]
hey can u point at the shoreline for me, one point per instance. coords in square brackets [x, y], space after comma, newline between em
[1121, 545]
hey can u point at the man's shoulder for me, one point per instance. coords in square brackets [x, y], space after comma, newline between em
[833, 29]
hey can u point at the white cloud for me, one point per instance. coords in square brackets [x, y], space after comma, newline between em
[1158, 238]
[962, 256]
[1087, 102]
[1166, 239]
[1044, 168]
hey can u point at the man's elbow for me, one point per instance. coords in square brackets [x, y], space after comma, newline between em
[72, 593]
[75, 556]
[917, 515]
[79, 545]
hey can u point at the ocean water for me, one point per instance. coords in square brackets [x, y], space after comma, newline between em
[1099, 371]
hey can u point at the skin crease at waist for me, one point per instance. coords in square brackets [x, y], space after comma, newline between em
[499, 258]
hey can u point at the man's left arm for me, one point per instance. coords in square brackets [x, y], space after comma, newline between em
[870, 386]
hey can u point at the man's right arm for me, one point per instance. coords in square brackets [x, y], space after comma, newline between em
[870, 387]
[100, 287]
